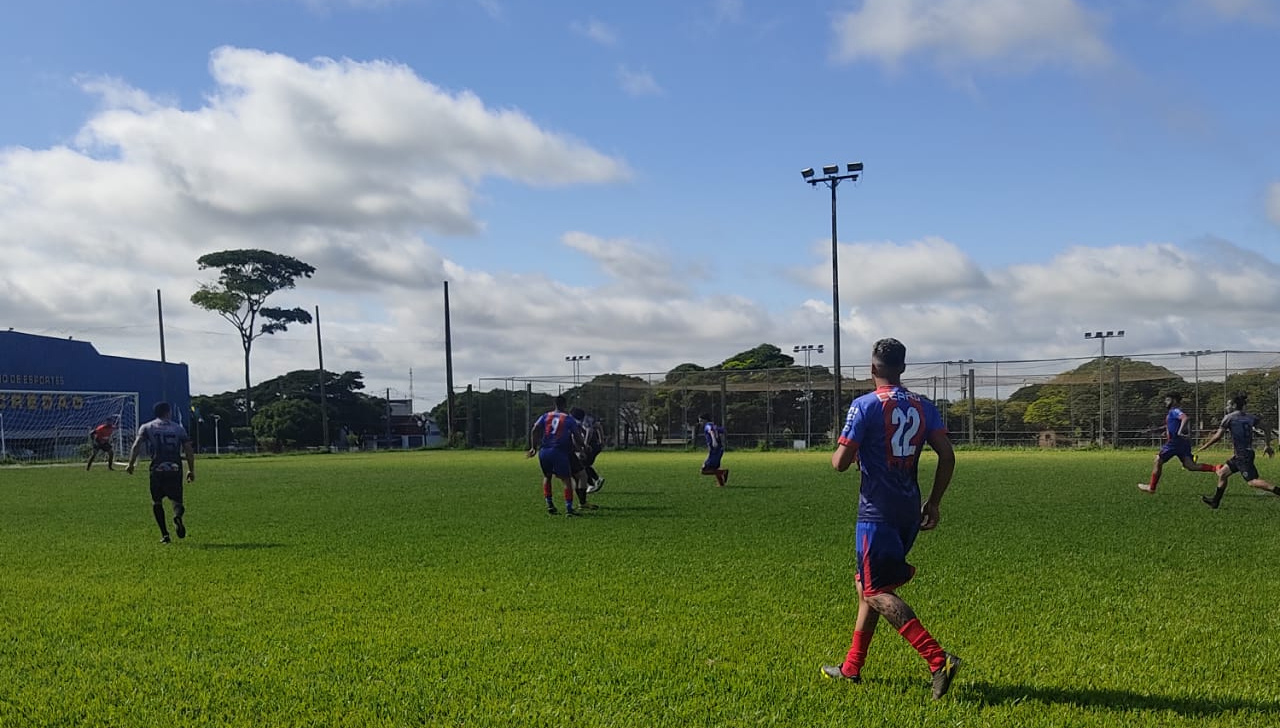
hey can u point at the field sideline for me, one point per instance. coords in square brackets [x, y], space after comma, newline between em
[431, 588]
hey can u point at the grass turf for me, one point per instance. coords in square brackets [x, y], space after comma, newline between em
[433, 589]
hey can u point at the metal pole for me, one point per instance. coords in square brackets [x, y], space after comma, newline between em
[448, 366]
[164, 373]
[808, 403]
[997, 405]
[835, 310]
[1101, 404]
[1226, 395]
[217, 419]
[4, 451]
[973, 435]
[1199, 419]
[324, 400]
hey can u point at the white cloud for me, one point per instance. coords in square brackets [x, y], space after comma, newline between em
[1020, 33]
[1273, 202]
[887, 272]
[597, 31]
[635, 267]
[728, 11]
[638, 83]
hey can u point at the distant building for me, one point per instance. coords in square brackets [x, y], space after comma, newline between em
[54, 390]
[409, 430]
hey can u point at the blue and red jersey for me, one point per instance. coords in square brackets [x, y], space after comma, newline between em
[558, 429]
[890, 427]
[714, 435]
[1173, 424]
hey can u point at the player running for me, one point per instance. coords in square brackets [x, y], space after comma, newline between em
[1241, 425]
[592, 446]
[884, 433]
[714, 435]
[101, 442]
[1177, 443]
[167, 442]
[552, 438]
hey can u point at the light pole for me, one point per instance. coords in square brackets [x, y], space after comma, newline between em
[946, 384]
[4, 451]
[808, 349]
[832, 179]
[215, 433]
[1196, 356]
[577, 360]
[1102, 337]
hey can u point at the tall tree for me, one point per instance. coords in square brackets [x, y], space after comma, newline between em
[245, 279]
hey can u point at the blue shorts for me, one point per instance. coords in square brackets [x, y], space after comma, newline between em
[1176, 448]
[882, 555]
[713, 459]
[554, 462]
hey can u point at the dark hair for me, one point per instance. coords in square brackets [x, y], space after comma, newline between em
[1239, 400]
[890, 354]
[560, 403]
[161, 409]
[578, 413]
[1175, 396]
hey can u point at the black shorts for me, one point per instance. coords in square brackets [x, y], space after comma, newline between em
[166, 484]
[102, 446]
[1242, 463]
[575, 463]
[589, 457]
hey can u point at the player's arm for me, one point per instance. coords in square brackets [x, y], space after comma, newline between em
[1266, 434]
[535, 438]
[1184, 426]
[133, 453]
[941, 444]
[190, 452]
[1212, 439]
[846, 454]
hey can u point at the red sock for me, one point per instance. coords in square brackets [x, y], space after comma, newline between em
[1154, 479]
[925, 644]
[857, 653]
[1207, 468]
[568, 496]
[546, 490]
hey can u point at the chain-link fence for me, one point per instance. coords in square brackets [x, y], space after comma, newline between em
[1116, 401]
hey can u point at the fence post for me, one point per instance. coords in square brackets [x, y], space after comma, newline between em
[724, 404]
[997, 410]
[972, 402]
[528, 411]
[1115, 407]
[471, 420]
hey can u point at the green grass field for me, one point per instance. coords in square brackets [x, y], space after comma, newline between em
[431, 588]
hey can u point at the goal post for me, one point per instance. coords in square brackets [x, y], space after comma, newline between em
[55, 426]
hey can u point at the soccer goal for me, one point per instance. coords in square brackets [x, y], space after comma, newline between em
[46, 427]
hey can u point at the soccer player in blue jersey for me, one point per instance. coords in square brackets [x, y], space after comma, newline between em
[1177, 443]
[884, 433]
[552, 438]
[714, 435]
[1241, 425]
[168, 443]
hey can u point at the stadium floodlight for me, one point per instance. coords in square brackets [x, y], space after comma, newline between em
[808, 349]
[577, 360]
[1101, 338]
[1196, 356]
[216, 418]
[832, 180]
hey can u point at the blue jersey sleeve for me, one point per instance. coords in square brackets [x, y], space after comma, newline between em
[855, 424]
[932, 418]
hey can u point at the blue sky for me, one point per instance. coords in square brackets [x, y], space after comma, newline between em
[623, 179]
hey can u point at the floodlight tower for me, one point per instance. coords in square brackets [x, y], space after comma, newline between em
[577, 360]
[832, 178]
[1102, 363]
[808, 350]
[1196, 356]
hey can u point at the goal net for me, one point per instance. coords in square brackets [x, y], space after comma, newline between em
[43, 427]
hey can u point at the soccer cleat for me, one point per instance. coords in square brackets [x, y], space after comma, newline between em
[1146, 488]
[164, 538]
[552, 510]
[588, 507]
[571, 513]
[726, 477]
[181, 527]
[1209, 502]
[835, 672]
[595, 486]
[943, 676]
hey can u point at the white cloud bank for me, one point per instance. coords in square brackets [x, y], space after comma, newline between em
[1015, 33]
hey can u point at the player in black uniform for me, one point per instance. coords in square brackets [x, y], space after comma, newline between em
[1241, 425]
[168, 443]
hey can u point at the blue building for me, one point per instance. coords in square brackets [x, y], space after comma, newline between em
[53, 391]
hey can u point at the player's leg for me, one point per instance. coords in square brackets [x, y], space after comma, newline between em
[1249, 471]
[545, 462]
[578, 474]
[568, 494]
[1224, 472]
[1189, 463]
[863, 630]
[711, 466]
[111, 458]
[173, 491]
[1157, 469]
[157, 505]
[93, 455]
